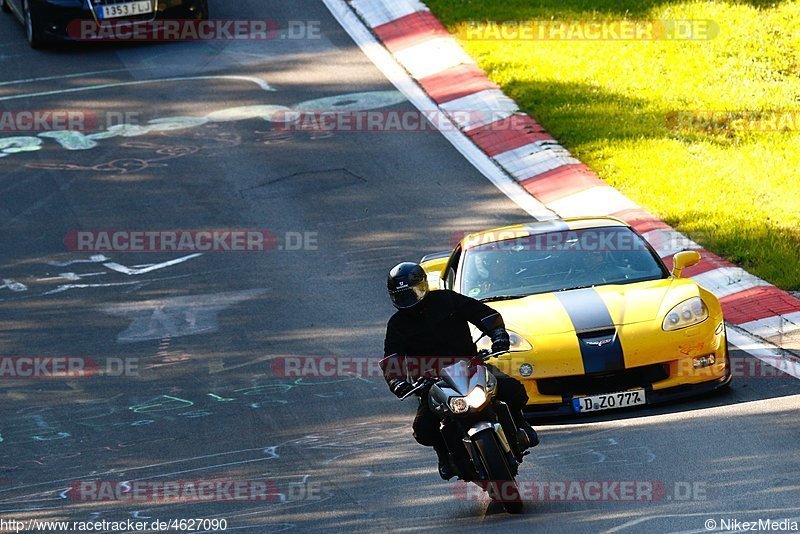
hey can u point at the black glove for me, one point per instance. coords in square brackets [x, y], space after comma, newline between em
[400, 387]
[500, 340]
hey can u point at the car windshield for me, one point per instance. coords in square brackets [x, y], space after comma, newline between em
[558, 261]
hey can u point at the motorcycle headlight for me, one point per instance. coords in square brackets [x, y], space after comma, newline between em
[458, 405]
[476, 398]
[687, 313]
[518, 343]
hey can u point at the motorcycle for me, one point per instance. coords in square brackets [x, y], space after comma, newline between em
[481, 436]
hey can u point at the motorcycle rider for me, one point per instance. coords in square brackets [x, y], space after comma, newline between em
[433, 325]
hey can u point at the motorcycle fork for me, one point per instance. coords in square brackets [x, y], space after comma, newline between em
[509, 428]
[462, 459]
[477, 465]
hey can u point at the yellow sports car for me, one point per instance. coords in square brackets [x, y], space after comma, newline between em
[596, 319]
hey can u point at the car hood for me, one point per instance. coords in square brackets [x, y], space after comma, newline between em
[594, 308]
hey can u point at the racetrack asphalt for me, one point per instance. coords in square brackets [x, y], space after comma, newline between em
[204, 332]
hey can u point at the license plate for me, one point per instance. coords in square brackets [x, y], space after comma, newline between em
[609, 401]
[129, 9]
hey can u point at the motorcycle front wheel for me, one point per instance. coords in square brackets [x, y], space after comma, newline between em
[500, 485]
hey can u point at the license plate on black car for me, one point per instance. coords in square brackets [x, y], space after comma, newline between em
[128, 9]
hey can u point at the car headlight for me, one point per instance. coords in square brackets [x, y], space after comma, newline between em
[687, 313]
[476, 398]
[518, 343]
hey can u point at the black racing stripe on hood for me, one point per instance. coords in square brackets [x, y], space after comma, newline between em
[601, 350]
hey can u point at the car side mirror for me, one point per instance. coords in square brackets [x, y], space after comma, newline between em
[433, 265]
[682, 260]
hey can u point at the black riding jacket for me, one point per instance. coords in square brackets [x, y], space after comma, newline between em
[435, 332]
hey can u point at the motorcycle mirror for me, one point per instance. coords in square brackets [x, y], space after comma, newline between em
[486, 355]
[420, 384]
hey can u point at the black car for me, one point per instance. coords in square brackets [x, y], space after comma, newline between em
[53, 20]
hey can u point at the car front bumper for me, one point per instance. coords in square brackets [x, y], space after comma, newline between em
[58, 19]
[681, 382]
[565, 408]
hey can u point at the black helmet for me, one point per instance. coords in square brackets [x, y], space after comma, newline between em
[407, 284]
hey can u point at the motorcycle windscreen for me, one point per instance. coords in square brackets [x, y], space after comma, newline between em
[464, 378]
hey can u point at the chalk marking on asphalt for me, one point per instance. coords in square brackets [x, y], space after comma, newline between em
[258, 81]
[390, 68]
[266, 450]
[222, 368]
[144, 282]
[98, 258]
[764, 351]
[74, 277]
[67, 287]
[16, 287]
[68, 76]
[134, 272]
[269, 453]
[176, 316]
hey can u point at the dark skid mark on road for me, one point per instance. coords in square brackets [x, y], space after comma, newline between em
[305, 183]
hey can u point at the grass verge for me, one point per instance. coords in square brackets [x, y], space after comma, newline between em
[637, 111]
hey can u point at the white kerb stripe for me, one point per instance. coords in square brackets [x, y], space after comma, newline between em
[432, 56]
[777, 325]
[377, 12]
[534, 159]
[540, 163]
[600, 200]
[667, 241]
[726, 281]
[480, 109]
[766, 352]
[520, 153]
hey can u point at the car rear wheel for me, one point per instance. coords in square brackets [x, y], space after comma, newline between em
[32, 30]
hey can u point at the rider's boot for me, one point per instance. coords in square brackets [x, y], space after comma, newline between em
[526, 435]
[446, 470]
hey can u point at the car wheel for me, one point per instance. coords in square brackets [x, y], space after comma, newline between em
[729, 372]
[32, 30]
[4, 6]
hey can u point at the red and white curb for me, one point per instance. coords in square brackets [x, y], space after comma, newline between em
[417, 54]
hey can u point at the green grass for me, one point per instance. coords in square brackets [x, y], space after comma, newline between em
[737, 192]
